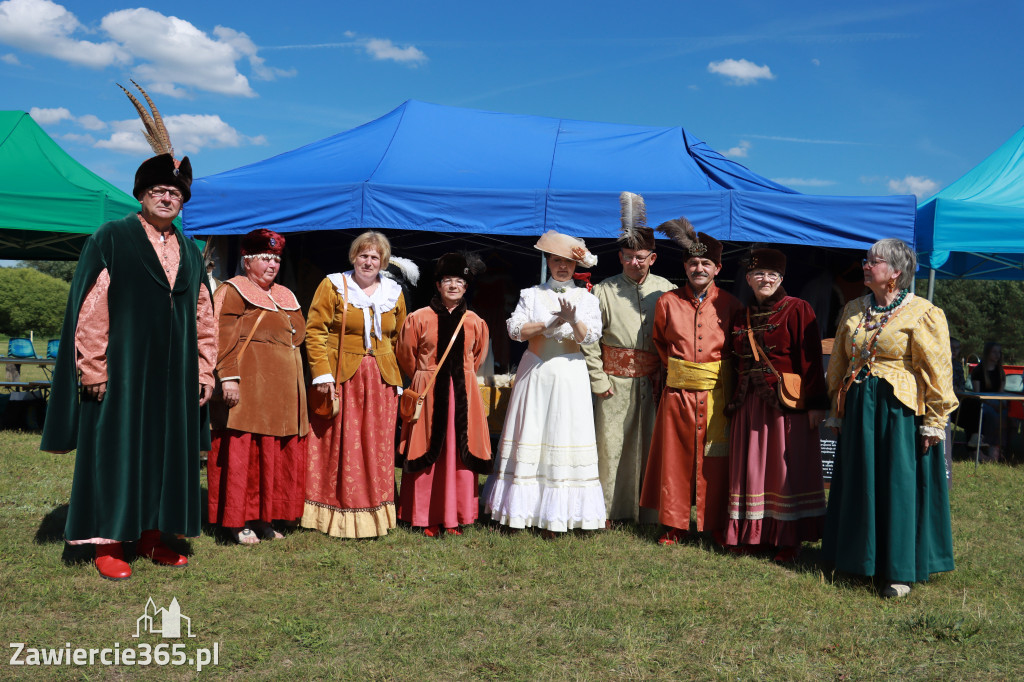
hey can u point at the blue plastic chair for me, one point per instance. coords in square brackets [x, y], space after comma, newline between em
[51, 348]
[18, 347]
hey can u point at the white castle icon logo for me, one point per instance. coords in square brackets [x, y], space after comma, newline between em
[164, 622]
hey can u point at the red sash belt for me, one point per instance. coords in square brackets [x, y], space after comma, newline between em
[629, 362]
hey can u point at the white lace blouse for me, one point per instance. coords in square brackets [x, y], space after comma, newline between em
[539, 303]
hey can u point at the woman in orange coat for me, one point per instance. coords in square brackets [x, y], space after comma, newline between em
[449, 444]
[257, 464]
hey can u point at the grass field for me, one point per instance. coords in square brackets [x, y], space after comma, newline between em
[491, 606]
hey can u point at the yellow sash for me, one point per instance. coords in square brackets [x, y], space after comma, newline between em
[710, 377]
[693, 376]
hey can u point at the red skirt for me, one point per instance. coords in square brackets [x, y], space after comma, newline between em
[253, 477]
[776, 493]
[445, 494]
[350, 460]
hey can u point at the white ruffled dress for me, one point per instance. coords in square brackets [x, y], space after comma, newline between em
[546, 470]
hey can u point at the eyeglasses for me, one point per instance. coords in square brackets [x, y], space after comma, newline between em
[864, 262]
[457, 281]
[159, 192]
[635, 258]
[766, 276]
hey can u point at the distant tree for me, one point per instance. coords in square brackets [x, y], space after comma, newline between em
[61, 269]
[31, 301]
[980, 311]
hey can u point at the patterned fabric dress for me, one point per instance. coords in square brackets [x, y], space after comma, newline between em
[546, 473]
[888, 507]
[350, 474]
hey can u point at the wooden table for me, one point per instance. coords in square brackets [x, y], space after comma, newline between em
[45, 363]
[1002, 397]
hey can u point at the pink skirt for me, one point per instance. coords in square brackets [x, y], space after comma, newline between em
[350, 460]
[444, 494]
[253, 477]
[776, 491]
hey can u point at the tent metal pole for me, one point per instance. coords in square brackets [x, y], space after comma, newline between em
[543, 269]
[931, 284]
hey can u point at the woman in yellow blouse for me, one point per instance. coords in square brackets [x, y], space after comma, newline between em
[350, 474]
[890, 380]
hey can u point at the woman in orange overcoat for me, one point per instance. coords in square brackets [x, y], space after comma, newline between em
[445, 449]
[257, 463]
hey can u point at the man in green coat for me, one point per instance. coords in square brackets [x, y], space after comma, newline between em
[141, 331]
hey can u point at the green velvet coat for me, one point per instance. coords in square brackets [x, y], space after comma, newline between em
[137, 465]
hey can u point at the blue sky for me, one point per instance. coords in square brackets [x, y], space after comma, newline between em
[851, 98]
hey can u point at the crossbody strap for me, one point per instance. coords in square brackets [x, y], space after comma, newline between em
[755, 347]
[252, 332]
[444, 356]
[341, 336]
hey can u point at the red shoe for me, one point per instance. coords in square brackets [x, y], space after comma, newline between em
[673, 536]
[431, 531]
[787, 555]
[453, 531]
[110, 562]
[151, 547]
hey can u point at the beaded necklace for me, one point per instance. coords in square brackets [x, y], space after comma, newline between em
[870, 323]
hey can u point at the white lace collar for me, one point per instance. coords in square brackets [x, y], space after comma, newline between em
[559, 287]
[382, 300]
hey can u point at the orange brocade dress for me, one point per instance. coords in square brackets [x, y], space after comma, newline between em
[350, 460]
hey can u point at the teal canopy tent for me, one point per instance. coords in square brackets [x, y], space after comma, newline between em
[49, 203]
[974, 228]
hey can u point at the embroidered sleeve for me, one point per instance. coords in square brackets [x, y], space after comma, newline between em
[929, 356]
[93, 332]
[206, 333]
[521, 315]
[839, 361]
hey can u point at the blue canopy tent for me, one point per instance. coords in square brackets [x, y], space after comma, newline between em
[462, 171]
[974, 229]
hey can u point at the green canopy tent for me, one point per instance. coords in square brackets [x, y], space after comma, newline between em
[49, 203]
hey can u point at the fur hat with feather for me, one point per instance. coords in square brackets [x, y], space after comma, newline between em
[162, 169]
[635, 233]
[696, 244]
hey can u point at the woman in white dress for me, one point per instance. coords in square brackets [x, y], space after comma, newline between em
[546, 470]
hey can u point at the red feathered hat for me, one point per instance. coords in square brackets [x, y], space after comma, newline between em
[262, 242]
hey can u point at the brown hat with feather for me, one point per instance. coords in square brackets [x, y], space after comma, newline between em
[162, 169]
[696, 244]
[635, 233]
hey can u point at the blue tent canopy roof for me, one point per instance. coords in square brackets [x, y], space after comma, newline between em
[447, 169]
[974, 228]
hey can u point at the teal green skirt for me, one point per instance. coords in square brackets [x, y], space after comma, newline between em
[888, 506]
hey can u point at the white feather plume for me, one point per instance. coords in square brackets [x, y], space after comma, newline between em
[410, 271]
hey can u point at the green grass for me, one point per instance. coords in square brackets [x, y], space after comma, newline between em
[491, 606]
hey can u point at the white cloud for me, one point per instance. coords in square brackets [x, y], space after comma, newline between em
[383, 49]
[739, 151]
[816, 62]
[190, 133]
[44, 27]
[90, 122]
[46, 117]
[914, 184]
[740, 71]
[87, 140]
[169, 55]
[177, 53]
[804, 182]
[11, 59]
